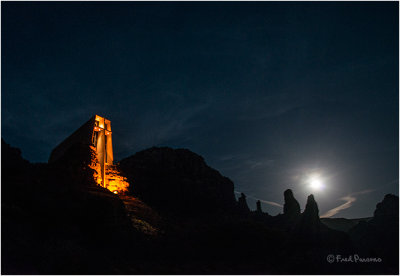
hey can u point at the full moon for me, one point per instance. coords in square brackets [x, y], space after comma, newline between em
[316, 183]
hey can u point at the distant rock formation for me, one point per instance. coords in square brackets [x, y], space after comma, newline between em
[309, 225]
[291, 207]
[311, 212]
[15, 171]
[379, 236]
[387, 211]
[258, 210]
[291, 213]
[242, 204]
[177, 180]
[261, 216]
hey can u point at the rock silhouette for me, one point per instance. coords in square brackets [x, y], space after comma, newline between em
[258, 210]
[178, 181]
[13, 155]
[378, 237]
[242, 204]
[311, 212]
[386, 210]
[310, 225]
[291, 207]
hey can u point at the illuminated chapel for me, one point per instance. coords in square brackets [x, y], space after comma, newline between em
[96, 134]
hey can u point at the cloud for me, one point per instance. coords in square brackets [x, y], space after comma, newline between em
[349, 202]
[157, 127]
[259, 110]
[263, 201]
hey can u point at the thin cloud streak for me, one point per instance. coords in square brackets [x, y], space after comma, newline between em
[349, 202]
[263, 201]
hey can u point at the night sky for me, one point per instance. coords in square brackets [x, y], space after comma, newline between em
[267, 92]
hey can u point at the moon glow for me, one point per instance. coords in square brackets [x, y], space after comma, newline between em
[316, 183]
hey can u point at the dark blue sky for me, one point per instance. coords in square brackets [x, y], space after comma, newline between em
[267, 92]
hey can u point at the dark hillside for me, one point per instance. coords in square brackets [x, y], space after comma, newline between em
[51, 224]
[178, 181]
[180, 218]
